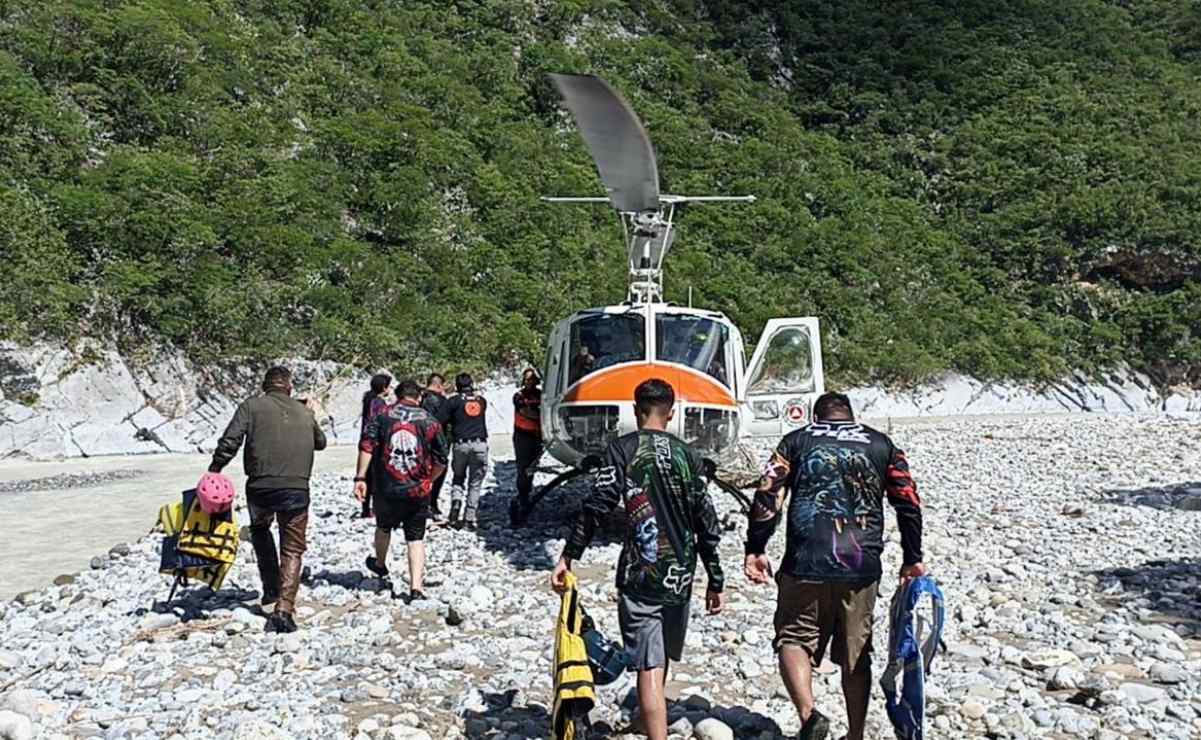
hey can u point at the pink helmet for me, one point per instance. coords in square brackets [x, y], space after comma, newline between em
[216, 493]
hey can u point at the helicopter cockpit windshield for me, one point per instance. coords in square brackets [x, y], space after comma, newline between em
[695, 341]
[605, 339]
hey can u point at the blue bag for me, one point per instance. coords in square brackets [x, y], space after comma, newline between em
[607, 659]
[912, 643]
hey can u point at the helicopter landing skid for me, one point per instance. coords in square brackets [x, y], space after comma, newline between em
[519, 512]
[744, 501]
[709, 468]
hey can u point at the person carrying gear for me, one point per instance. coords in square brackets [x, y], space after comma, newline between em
[574, 684]
[281, 434]
[670, 521]
[527, 433]
[432, 400]
[405, 449]
[375, 402]
[837, 473]
[465, 414]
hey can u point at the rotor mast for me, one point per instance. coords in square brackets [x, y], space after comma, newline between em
[648, 235]
[625, 161]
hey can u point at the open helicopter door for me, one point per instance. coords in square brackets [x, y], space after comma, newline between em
[784, 377]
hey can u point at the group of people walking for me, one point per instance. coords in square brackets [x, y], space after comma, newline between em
[834, 475]
[827, 481]
[410, 437]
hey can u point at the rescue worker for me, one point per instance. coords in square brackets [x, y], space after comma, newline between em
[527, 433]
[375, 402]
[670, 521]
[465, 413]
[404, 450]
[838, 473]
[281, 435]
[432, 400]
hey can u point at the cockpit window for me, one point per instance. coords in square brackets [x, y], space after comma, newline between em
[695, 341]
[602, 340]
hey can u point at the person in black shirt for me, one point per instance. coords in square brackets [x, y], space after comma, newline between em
[465, 414]
[404, 450]
[836, 474]
[671, 524]
[527, 433]
[432, 400]
[375, 402]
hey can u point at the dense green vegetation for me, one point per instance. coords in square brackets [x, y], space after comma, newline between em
[1008, 189]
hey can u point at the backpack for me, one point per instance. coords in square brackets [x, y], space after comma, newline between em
[912, 644]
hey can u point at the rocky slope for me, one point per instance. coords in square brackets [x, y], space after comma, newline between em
[1067, 548]
[55, 403]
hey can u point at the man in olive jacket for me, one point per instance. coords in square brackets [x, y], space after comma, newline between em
[281, 435]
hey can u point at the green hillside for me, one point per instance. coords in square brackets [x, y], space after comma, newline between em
[1007, 189]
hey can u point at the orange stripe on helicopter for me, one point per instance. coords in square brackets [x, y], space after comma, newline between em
[618, 384]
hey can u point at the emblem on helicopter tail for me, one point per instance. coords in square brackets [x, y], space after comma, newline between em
[795, 411]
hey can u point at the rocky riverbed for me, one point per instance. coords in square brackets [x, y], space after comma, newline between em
[1069, 550]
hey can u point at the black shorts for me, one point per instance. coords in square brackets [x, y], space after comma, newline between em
[395, 512]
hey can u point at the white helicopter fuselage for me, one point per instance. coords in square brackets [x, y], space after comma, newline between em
[597, 357]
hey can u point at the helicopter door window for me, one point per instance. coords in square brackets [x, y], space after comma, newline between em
[695, 341]
[787, 365]
[603, 340]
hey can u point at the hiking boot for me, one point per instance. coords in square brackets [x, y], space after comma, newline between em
[280, 622]
[374, 566]
[270, 596]
[471, 526]
[456, 509]
[815, 728]
[417, 596]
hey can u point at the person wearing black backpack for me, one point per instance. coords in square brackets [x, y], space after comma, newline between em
[409, 453]
[465, 414]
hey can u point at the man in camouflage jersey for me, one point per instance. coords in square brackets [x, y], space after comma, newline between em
[670, 521]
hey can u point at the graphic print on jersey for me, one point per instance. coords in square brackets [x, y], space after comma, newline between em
[405, 456]
[842, 507]
[473, 408]
[640, 516]
[658, 556]
[403, 452]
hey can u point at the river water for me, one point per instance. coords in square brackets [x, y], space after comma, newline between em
[58, 530]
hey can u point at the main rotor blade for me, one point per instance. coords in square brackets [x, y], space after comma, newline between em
[615, 137]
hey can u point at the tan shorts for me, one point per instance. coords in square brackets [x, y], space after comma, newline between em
[811, 613]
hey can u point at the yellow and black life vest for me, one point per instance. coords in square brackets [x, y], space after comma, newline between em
[575, 694]
[197, 545]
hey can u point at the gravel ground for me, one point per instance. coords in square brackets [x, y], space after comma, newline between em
[1066, 548]
[67, 481]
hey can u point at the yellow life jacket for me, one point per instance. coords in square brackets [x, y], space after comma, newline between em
[212, 542]
[208, 536]
[575, 694]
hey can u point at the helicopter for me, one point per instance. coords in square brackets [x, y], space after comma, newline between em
[596, 357]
